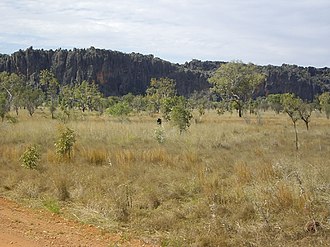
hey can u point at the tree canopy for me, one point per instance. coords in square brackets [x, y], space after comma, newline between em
[236, 82]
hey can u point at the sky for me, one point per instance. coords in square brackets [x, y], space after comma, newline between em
[258, 31]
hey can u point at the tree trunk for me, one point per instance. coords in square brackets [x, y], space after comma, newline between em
[240, 111]
[296, 134]
[307, 125]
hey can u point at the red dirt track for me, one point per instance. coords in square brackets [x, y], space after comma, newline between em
[25, 227]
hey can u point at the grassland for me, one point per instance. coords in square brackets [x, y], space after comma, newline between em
[228, 181]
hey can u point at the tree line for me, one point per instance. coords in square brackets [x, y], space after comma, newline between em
[232, 88]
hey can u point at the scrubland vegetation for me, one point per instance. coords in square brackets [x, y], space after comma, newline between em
[226, 181]
[206, 176]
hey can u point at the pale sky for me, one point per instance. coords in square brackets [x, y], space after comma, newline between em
[258, 31]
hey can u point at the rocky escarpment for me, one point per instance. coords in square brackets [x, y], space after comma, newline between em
[306, 82]
[116, 73]
[119, 73]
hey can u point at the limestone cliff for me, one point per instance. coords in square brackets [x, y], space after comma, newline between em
[119, 73]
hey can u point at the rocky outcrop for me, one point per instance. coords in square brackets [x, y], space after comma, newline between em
[119, 73]
[116, 73]
[306, 82]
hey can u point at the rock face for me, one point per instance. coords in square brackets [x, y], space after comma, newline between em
[119, 73]
[306, 82]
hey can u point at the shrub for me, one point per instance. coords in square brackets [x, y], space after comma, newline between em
[181, 116]
[159, 135]
[30, 157]
[121, 110]
[65, 142]
[52, 205]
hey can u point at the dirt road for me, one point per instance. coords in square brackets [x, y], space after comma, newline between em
[25, 227]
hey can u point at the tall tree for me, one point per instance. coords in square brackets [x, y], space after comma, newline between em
[6, 95]
[324, 100]
[236, 82]
[32, 98]
[305, 111]
[51, 85]
[274, 101]
[87, 96]
[291, 106]
[180, 114]
[159, 90]
[16, 85]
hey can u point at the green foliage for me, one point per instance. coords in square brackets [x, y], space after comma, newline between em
[324, 100]
[15, 86]
[11, 119]
[139, 103]
[84, 96]
[159, 134]
[87, 96]
[128, 98]
[52, 205]
[181, 115]
[67, 98]
[259, 104]
[236, 82]
[7, 81]
[51, 86]
[120, 109]
[19, 93]
[3, 105]
[158, 90]
[167, 105]
[305, 111]
[200, 101]
[291, 106]
[65, 141]
[32, 98]
[274, 101]
[30, 157]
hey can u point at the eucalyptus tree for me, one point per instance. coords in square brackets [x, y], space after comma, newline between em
[274, 101]
[32, 98]
[181, 114]
[6, 95]
[324, 100]
[87, 96]
[159, 90]
[236, 82]
[305, 111]
[291, 106]
[51, 87]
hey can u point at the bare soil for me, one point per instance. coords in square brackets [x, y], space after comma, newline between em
[26, 227]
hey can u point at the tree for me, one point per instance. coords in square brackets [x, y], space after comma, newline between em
[201, 101]
[291, 106]
[67, 98]
[16, 85]
[324, 100]
[166, 106]
[120, 109]
[158, 90]
[181, 114]
[3, 105]
[65, 141]
[236, 82]
[274, 101]
[305, 111]
[139, 103]
[87, 96]
[32, 98]
[5, 94]
[51, 85]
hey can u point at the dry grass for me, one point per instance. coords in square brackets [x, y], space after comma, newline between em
[226, 182]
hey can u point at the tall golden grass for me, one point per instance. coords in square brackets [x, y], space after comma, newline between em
[225, 182]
